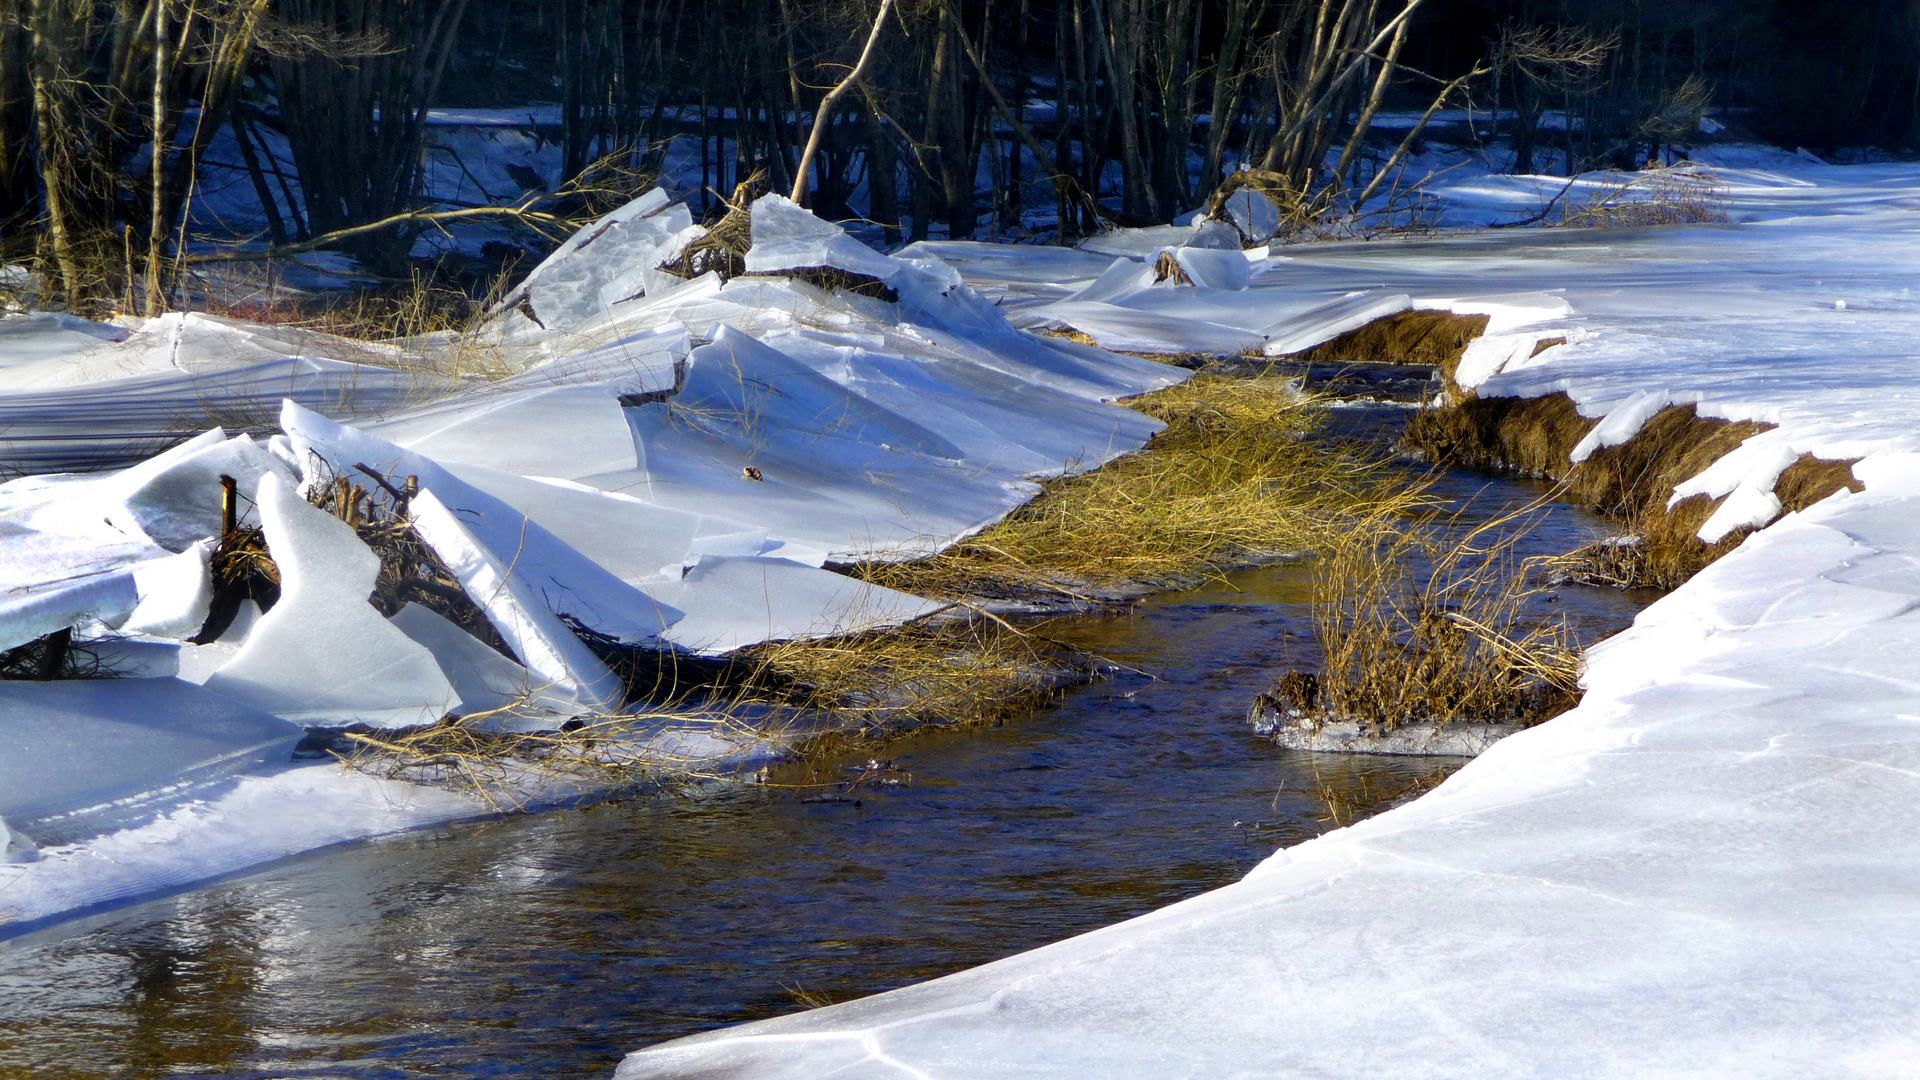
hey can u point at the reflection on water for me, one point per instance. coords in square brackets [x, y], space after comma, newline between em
[550, 945]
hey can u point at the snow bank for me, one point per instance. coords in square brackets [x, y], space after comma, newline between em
[1708, 868]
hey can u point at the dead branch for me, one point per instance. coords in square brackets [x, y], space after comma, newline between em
[821, 118]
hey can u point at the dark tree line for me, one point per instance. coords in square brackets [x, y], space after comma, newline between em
[968, 113]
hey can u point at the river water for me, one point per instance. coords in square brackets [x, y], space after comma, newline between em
[549, 945]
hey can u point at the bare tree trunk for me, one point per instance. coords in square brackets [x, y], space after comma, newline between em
[52, 142]
[157, 218]
[821, 118]
[1136, 198]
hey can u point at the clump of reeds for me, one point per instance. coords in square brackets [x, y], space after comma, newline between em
[1436, 623]
[599, 753]
[723, 250]
[1681, 195]
[1235, 478]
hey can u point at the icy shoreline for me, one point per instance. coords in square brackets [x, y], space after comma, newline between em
[1708, 868]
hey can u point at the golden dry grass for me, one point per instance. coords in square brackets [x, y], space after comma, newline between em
[1430, 338]
[1434, 621]
[879, 683]
[1235, 478]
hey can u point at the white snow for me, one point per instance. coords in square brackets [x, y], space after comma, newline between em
[1711, 867]
[84, 754]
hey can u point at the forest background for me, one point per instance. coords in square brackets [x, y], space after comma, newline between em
[964, 113]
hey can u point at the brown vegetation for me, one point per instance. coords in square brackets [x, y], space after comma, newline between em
[1428, 338]
[1631, 482]
[1434, 622]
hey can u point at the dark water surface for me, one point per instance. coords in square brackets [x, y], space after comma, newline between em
[548, 946]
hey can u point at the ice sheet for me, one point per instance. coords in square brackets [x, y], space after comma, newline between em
[486, 681]
[549, 650]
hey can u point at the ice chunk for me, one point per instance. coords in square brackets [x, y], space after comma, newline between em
[1489, 354]
[1254, 213]
[1212, 268]
[183, 502]
[323, 654]
[549, 650]
[175, 594]
[787, 236]
[1624, 420]
[601, 264]
[486, 681]
[1745, 507]
[16, 847]
[735, 602]
[29, 613]
[87, 754]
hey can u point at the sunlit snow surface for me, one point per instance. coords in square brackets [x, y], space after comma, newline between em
[1712, 867]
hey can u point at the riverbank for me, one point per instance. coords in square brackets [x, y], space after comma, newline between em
[1705, 868]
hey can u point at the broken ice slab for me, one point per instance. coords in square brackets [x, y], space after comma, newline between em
[323, 655]
[567, 583]
[738, 383]
[549, 649]
[635, 540]
[487, 682]
[29, 613]
[565, 431]
[83, 756]
[174, 593]
[600, 264]
[1324, 322]
[177, 501]
[787, 236]
[1123, 328]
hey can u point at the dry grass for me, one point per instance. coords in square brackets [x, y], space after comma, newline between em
[1436, 622]
[884, 682]
[1429, 338]
[593, 754]
[1630, 482]
[1673, 196]
[1233, 479]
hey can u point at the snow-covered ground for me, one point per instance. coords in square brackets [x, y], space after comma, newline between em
[1710, 868]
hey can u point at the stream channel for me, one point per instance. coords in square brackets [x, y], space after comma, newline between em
[549, 945]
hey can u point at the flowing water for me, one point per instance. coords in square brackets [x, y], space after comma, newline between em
[547, 946]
